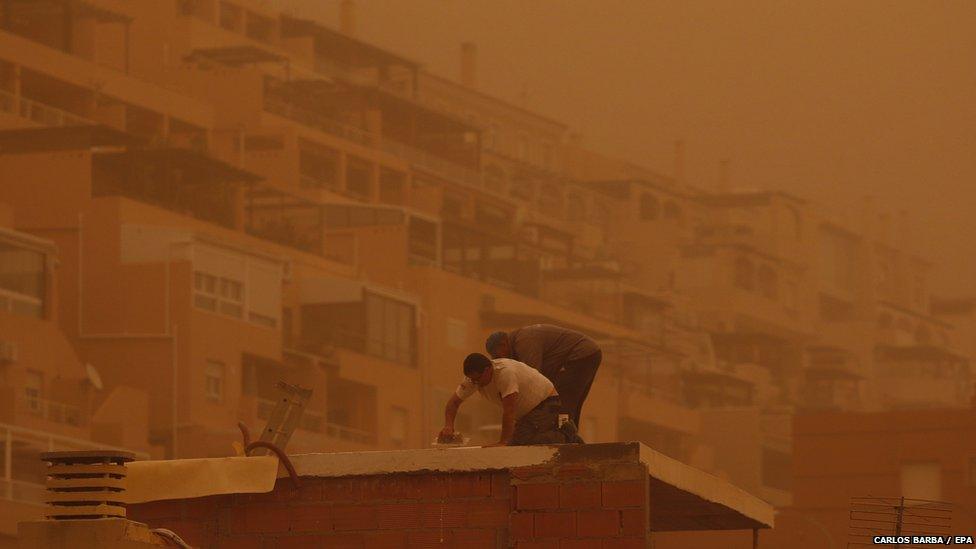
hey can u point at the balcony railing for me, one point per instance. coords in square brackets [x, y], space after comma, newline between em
[23, 445]
[39, 112]
[23, 492]
[418, 157]
[50, 410]
[316, 423]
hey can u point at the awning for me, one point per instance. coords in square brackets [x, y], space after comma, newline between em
[65, 138]
[235, 56]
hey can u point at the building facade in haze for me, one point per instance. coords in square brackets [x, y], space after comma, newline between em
[205, 197]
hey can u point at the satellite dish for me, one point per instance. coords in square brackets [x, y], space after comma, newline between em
[93, 377]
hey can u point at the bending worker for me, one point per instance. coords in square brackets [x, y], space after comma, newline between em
[566, 357]
[530, 404]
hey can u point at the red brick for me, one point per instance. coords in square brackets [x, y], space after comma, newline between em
[239, 542]
[385, 540]
[310, 518]
[580, 495]
[540, 544]
[199, 508]
[526, 473]
[488, 514]
[476, 539]
[575, 470]
[198, 533]
[501, 485]
[400, 487]
[555, 524]
[626, 493]
[580, 544]
[595, 523]
[537, 496]
[522, 526]
[476, 485]
[398, 516]
[625, 543]
[297, 542]
[355, 517]
[430, 538]
[341, 489]
[156, 510]
[340, 541]
[443, 515]
[257, 518]
[633, 522]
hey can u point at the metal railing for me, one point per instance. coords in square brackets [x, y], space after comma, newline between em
[39, 112]
[23, 491]
[316, 422]
[438, 166]
[51, 410]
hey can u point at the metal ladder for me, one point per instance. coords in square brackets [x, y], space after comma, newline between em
[285, 417]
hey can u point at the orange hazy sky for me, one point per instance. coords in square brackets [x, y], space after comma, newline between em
[831, 100]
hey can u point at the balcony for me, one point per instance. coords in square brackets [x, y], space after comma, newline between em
[287, 102]
[39, 113]
[50, 410]
[24, 473]
[182, 181]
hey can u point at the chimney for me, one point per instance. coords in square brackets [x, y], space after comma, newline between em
[469, 64]
[724, 183]
[679, 161]
[347, 17]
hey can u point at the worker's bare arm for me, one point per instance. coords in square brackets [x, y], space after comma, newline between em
[450, 412]
[508, 419]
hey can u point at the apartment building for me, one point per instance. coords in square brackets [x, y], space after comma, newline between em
[237, 196]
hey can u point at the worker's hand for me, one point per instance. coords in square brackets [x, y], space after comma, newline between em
[446, 434]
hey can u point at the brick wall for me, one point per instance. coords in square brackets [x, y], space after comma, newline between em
[568, 506]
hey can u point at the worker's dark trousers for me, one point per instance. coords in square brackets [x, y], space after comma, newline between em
[573, 383]
[540, 425]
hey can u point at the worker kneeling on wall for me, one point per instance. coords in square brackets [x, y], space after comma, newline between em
[529, 402]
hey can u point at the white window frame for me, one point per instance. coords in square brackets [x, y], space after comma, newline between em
[214, 391]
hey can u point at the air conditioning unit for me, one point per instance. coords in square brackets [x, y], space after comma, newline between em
[8, 352]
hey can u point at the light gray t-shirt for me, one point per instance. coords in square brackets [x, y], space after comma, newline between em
[511, 376]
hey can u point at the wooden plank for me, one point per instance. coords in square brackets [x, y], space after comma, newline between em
[94, 469]
[86, 482]
[99, 496]
[68, 511]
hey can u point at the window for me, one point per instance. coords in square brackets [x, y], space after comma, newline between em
[218, 294]
[398, 426]
[259, 28]
[33, 390]
[231, 16]
[237, 285]
[358, 177]
[768, 282]
[457, 334]
[389, 329]
[650, 208]
[231, 297]
[672, 211]
[319, 166]
[921, 481]
[214, 381]
[22, 281]
[392, 184]
[744, 274]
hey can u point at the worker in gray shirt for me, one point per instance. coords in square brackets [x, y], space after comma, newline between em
[566, 357]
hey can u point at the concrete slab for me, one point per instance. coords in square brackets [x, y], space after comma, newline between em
[681, 497]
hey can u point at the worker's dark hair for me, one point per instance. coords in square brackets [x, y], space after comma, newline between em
[475, 364]
[493, 341]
